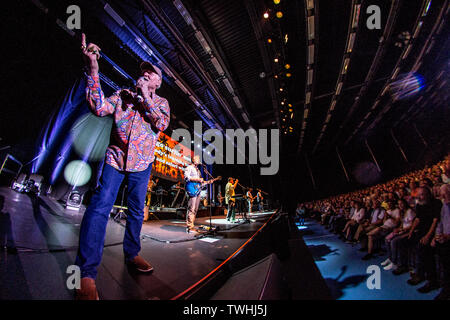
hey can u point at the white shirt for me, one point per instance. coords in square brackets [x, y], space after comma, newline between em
[377, 214]
[408, 218]
[390, 222]
[359, 214]
[191, 172]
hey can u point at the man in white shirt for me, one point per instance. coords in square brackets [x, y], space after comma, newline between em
[441, 240]
[376, 219]
[249, 200]
[357, 218]
[192, 174]
[259, 200]
[391, 220]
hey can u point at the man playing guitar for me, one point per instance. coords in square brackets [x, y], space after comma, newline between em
[195, 182]
[259, 200]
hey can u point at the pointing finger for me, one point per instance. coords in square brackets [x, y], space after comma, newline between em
[83, 40]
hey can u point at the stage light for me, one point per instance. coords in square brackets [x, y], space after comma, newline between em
[77, 173]
[282, 103]
[237, 102]
[202, 41]
[217, 65]
[287, 65]
[74, 200]
[311, 54]
[276, 1]
[288, 75]
[290, 105]
[275, 60]
[310, 27]
[269, 40]
[279, 14]
[406, 86]
[276, 76]
[281, 89]
[227, 84]
[266, 15]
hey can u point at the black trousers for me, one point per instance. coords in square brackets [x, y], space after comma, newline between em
[443, 251]
[425, 263]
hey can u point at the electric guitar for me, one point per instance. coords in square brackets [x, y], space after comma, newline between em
[193, 188]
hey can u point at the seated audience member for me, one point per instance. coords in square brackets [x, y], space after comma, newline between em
[445, 176]
[300, 214]
[326, 213]
[376, 220]
[391, 220]
[441, 241]
[335, 222]
[422, 231]
[340, 223]
[399, 234]
[353, 223]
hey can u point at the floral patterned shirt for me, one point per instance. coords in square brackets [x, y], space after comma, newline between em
[135, 130]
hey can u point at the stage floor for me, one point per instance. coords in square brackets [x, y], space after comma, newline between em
[46, 237]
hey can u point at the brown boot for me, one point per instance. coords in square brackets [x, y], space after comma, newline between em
[88, 290]
[140, 264]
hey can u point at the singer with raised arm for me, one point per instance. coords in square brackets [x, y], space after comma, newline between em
[229, 199]
[138, 119]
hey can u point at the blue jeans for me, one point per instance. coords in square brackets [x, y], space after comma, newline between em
[95, 219]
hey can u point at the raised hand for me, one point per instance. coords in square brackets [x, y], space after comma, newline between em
[91, 54]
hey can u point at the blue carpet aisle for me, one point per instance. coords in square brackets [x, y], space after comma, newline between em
[345, 273]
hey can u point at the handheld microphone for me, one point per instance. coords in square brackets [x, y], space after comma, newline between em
[139, 95]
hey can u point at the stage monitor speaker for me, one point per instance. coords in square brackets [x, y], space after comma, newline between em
[261, 281]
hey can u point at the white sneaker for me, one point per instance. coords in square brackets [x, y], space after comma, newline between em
[390, 266]
[386, 262]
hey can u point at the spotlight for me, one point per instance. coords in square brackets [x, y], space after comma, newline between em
[279, 14]
[287, 66]
[269, 40]
[288, 75]
[281, 89]
[282, 103]
[266, 15]
[275, 60]
[276, 1]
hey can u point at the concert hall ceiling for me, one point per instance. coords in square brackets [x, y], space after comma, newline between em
[322, 72]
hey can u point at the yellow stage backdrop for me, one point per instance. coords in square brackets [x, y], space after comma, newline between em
[171, 158]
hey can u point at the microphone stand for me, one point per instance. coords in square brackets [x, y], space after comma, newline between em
[210, 199]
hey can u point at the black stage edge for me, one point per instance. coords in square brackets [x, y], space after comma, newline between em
[274, 264]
